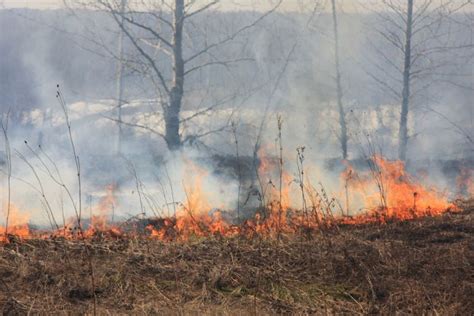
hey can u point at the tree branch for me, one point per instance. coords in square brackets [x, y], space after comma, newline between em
[231, 37]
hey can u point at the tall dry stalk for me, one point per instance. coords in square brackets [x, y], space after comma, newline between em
[370, 151]
[239, 171]
[77, 162]
[280, 175]
[300, 167]
[8, 157]
[41, 191]
[56, 176]
[133, 171]
[377, 173]
[63, 105]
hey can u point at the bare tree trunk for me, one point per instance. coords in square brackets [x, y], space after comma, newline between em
[119, 83]
[403, 133]
[342, 118]
[172, 112]
[171, 89]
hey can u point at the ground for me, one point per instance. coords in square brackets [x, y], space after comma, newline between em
[422, 266]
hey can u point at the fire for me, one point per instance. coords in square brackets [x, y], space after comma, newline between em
[390, 192]
[193, 218]
[17, 224]
[269, 173]
[99, 220]
[386, 191]
[276, 183]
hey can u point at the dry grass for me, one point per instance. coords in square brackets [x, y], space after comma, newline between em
[416, 267]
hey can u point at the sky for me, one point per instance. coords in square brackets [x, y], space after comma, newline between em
[292, 5]
[345, 6]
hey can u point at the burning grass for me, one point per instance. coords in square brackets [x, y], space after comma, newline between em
[417, 266]
[408, 251]
[387, 192]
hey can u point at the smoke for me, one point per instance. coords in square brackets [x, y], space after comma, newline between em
[289, 70]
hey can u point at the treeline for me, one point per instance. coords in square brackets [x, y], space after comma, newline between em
[40, 48]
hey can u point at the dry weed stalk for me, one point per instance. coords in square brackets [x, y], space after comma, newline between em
[41, 191]
[280, 174]
[239, 171]
[63, 104]
[301, 175]
[8, 156]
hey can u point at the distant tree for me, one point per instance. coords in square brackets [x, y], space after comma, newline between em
[160, 32]
[422, 44]
[119, 79]
[343, 137]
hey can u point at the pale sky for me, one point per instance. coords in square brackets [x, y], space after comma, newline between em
[293, 5]
[288, 5]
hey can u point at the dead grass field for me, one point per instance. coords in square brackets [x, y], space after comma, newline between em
[423, 266]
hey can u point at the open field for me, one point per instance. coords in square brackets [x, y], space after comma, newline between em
[185, 157]
[421, 266]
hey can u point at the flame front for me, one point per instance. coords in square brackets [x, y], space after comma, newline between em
[389, 191]
[193, 218]
[99, 220]
[17, 224]
[386, 191]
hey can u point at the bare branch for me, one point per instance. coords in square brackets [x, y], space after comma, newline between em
[234, 35]
[144, 27]
[224, 63]
[209, 5]
[144, 54]
[147, 128]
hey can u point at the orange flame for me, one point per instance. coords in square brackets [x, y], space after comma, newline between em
[278, 198]
[17, 224]
[99, 222]
[193, 218]
[397, 194]
[387, 191]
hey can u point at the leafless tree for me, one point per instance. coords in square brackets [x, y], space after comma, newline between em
[160, 33]
[119, 79]
[422, 48]
[342, 117]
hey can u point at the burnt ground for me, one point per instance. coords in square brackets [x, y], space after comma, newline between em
[423, 266]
